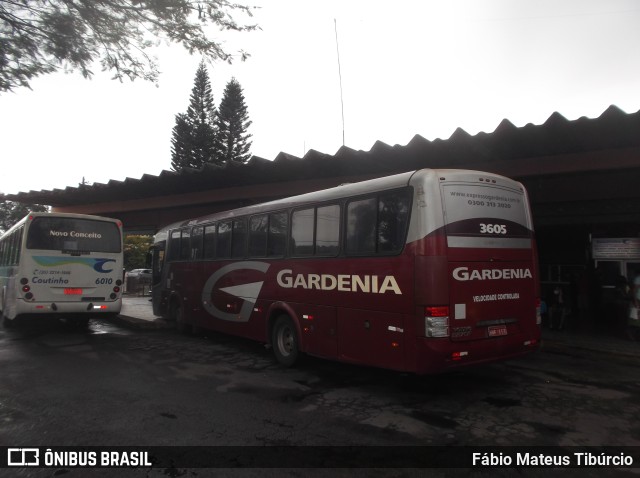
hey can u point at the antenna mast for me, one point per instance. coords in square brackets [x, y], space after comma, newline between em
[335, 23]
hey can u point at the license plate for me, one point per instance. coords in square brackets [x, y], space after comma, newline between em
[497, 330]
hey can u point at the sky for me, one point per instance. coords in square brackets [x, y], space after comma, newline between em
[406, 68]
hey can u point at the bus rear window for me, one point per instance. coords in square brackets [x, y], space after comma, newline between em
[73, 234]
[485, 210]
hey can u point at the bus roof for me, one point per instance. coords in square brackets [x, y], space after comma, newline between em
[346, 190]
[57, 214]
[338, 192]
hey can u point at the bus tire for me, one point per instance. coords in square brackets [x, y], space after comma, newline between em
[284, 339]
[6, 321]
[177, 314]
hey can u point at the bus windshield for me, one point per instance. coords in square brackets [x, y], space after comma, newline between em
[73, 234]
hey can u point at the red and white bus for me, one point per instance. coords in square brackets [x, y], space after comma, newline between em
[422, 272]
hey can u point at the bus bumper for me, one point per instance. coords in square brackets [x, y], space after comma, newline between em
[75, 308]
[441, 355]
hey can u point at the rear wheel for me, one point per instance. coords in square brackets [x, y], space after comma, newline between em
[284, 339]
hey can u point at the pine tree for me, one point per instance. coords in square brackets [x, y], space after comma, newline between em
[232, 123]
[194, 135]
[182, 144]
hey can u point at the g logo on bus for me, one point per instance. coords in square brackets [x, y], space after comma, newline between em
[247, 292]
[100, 263]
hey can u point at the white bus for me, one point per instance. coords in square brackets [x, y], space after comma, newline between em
[61, 265]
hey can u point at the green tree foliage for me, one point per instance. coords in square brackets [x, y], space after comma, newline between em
[11, 212]
[42, 36]
[232, 124]
[182, 144]
[135, 251]
[194, 134]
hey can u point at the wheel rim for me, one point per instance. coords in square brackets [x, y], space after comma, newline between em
[286, 341]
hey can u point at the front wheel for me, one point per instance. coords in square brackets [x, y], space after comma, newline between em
[284, 339]
[177, 314]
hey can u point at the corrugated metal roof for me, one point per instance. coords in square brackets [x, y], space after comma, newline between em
[613, 129]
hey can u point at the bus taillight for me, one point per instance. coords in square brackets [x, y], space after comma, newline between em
[26, 288]
[436, 321]
[459, 355]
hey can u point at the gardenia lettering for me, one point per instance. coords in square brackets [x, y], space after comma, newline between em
[84, 235]
[464, 274]
[371, 284]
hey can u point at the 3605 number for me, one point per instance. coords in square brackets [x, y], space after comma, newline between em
[493, 229]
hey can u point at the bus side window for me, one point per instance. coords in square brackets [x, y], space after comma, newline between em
[277, 237]
[14, 249]
[209, 242]
[185, 245]
[361, 226]
[223, 240]
[302, 232]
[258, 235]
[328, 230]
[393, 217]
[196, 242]
[174, 246]
[378, 225]
[239, 238]
[19, 244]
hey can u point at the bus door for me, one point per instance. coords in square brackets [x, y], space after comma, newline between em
[492, 261]
[186, 272]
[155, 261]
